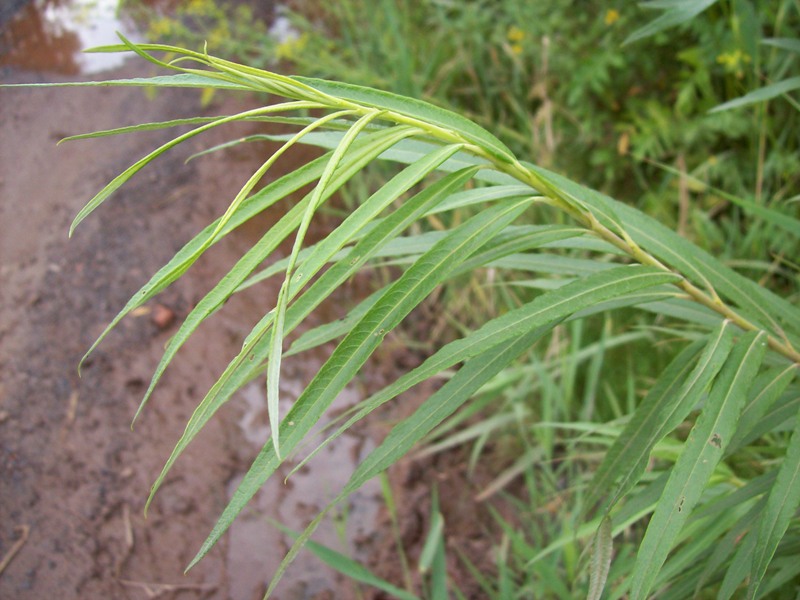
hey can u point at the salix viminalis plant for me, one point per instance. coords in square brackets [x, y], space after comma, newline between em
[736, 372]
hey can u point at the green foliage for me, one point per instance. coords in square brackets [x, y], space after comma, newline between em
[701, 455]
[556, 84]
[231, 28]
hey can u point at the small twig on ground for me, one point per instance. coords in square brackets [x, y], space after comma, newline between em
[129, 540]
[154, 590]
[69, 418]
[23, 530]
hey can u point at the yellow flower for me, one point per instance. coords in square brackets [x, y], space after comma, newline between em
[200, 6]
[291, 47]
[516, 49]
[160, 28]
[612, 16]
[732, 60]
[515, 34]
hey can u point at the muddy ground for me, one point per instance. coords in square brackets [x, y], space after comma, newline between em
[74, 477]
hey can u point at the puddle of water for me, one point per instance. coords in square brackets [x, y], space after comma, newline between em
[50, 35]
[256, 547]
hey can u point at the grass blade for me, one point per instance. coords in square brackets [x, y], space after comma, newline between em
[768, 92]
[676, 14]
[739, 567]
[782, 503]
[351, 569]
[602, 546]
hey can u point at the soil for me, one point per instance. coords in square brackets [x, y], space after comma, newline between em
[74, 477]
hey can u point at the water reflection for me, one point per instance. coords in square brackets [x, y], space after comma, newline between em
[49, 35]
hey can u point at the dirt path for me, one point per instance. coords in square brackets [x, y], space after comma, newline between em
[74, 477]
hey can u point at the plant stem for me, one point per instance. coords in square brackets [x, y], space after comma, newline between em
[628, 246]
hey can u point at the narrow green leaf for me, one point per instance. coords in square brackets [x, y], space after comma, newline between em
[602, 547]
[790, 44]
[726, 545]
[739, 566]
[438, 575]
[745, 495]
[768, 92]
[417, 110]
[276, 344]
[556, 264]
[432, 559]
[482, 194]
[519, 239]
[411, 150]
[120, 179]
[781, 413]
[787, 570]
[187, 80]
[334, 123]
[352, 569]
[765, 392]
[141, 127]
[677, 13]
[703, 450]
[673, 396]
[782, 503]
[331, 331]
[432, 542]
